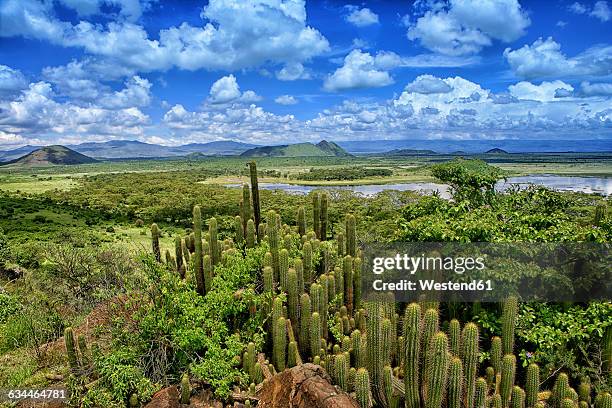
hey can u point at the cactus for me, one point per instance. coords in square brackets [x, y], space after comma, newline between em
[299, 271]
[316, 214]
[340, 244]
[292, 354]
[508, 372]
[374, 347]
[293, 300]
[518, 397]
[315, 334]
[480, 396]
[454, 336]
[247, 212]
[584, 391]
[307, 260]
[356, 283]
[412, 348]
[215, 250]
[469, 355]
[283, 269]
[392, 400]
[185, 389]
[600, 214]
[496, 401]
[603, 400]
[301, 221]
[279, 352]
[351, 241]
[304, 322]
[186, 253]
[239, 229]
[133, 401]
[607, 350]
[197, 263]
[341, 367]
[362, 388]
[509, 324]
[178, 252]
[347, 272]
[532, 385]
[71, 350]
[155, 242]
[567, 403]
[436, 370]
[255, 196]
[496, 353]
[324, 217]
[455, 383]
[250, 234]
[207, 268]
[561, 390]
[85, 358]
[430, 328]
[359, 356]
[273, 241]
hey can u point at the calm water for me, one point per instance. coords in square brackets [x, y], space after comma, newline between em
[599, 185]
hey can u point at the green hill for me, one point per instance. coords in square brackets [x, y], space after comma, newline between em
[52, 155]
[321, 149]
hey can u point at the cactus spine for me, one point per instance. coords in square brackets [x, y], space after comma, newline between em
[518, 397]
[71, 350]
[436, 370]
[273, 240]
[341, 367]
[185, 389]
[340, 243]
[351, 241]
[283, 269]
[454, 336]
[508, 372]
[430, 328]
[305, 316]
[412, 348]
[315, 334]
[255, 194]
[307, 260]
[561, 390]
[292, 296]
[362, 388]
[324, 215]
[292, 354]
[455, 383]
[480, 396]
[301, 221]
[316, 214]
[532, 385]
[280, 344]
[357, 283]
[470, 360]
[496, 354]
[347, 271]
[509, 323]
[155, 242]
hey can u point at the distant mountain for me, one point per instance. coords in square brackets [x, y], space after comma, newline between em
[496, 150]
[321, 149]
[52, 155]
[8, 155]
[410, 152]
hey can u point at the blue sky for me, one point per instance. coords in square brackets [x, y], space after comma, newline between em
[273, 71]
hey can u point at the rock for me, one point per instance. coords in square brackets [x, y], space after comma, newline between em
[303, 386]
[165, 398]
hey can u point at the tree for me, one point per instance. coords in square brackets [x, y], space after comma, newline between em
[470, 180]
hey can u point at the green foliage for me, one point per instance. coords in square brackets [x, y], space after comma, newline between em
[343, 173]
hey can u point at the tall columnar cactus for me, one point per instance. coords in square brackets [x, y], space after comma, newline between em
[532, 385]
[283, 268]
[249, 359]
[340, 244]
[308, 266]
[71, 350]
[155, 242]
[351, 240]
[268, 279]
[341, 367]
[509, 323]
[357, 265]
[455, 383]
[430, 328]
[390, 396]
[279, 352]
[508, 372]
[362, 388]
[607, 350]
[185, 389]
[207, 270]
[470, 355]
[301, 221]
[178, 252]
[518, 397]
[250, 234]
[496, 401]
[560, 390]
[436, 376]
[324, 215]
[454, 336]
[412, 354]
[247, 212]
[316, 214]
[273, 241]
[359, 356]
[186, 252]
[316, 294]
[215, 250]
[600, 214]
[298, 265]
[293, 300]
[375, 351]
[315, 334]
[496, 353]
[198, 268]
[85, 356]
[480, 398]
[255, 194]
[304, 321]
[292, 354]
[239, 229]
[347, 272]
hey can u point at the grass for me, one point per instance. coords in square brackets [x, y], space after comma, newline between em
[36, 185]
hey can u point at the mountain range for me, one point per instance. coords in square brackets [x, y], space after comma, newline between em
[321, 149]
[51, 155]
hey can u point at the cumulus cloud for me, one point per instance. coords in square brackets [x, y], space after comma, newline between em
[545, 92]
[596, 89]
[286, 100]
[129, 9]
[362, 70]
[600, 10]
[226, 90]
[463, 27]
[137, 93]
[428, 84]
[544, 59]
[234, 35]
[292, 72]
[361, 17]
[11, 80]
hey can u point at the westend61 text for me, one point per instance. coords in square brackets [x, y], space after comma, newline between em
[431, 285]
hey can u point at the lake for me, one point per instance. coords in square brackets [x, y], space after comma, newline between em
[600, 185]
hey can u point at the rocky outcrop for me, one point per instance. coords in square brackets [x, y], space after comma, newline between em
[165, 398]
[303, 386]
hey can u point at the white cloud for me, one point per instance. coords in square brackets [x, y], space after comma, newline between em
[544, 59]
[545, 92]
[234, 35]
[292, 71]
[11, 80]
[362, 70]
[361, 17]
[428, 84]
[463, 27]
[128, 9]
[226, 90]
[561, 23]
[597, 89]
[137, 93]
[600, 10]
[286, 100]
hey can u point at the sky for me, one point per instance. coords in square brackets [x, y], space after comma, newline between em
[285, 71]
